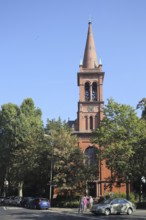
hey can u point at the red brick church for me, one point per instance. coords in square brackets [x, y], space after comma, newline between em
[90, 112]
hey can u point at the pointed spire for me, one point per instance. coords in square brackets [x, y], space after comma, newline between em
[90, 58]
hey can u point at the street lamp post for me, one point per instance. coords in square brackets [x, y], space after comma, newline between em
[51, 174]
[6, 184]
[105, 186]
[51, 170]
[143, 181]
[127, 187]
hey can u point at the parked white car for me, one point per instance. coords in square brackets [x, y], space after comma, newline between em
[114, 206]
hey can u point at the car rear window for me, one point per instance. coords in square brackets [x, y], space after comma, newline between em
[44, 200]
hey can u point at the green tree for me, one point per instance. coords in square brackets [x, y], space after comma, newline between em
[9, 115]
[31, 134]
[22, 131]
[120, 134]
[69, 170]
[142, 105]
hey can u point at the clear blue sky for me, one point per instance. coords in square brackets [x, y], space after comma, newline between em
[42, 41]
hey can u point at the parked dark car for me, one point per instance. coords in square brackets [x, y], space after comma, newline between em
[114, 206]
[16, 201]
[25, 201]
[8, 200]
[1, 199]
[39, 203]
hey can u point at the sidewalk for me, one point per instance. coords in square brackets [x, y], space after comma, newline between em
[67, 210]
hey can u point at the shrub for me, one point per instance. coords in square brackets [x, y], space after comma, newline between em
[66, 201]
[132, 197]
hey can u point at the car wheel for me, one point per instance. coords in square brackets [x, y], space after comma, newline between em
[129, 211]
[107, 212]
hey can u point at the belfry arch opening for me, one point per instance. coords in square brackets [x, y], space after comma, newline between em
[94, 91]
[87, 91]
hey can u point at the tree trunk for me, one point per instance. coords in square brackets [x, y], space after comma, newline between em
[20, 189]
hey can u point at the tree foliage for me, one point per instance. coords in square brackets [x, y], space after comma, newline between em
[69, 171]
[21, 129]
[142, 105]
[121, 134]
[27, 149]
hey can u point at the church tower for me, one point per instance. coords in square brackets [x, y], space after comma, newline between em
[89, 114]
[90, 106]
[90, 82]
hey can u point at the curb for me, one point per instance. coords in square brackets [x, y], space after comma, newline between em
[68, 210]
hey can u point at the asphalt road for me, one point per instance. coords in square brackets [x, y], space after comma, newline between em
[16, 213]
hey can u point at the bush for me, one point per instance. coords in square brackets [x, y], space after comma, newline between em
[66, 201]
[132, 197]
[71, 204]
[123, 195]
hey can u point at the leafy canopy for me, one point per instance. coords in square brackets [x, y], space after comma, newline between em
[119, 135]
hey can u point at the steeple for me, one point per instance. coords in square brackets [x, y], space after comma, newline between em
[90, 58]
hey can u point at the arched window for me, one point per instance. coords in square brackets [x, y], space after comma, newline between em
[91, 122]
[91, 157]
[94, 91]
[87, 91]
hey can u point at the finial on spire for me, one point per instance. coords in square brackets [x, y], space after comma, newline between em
[81, 61]
[90, 19]
[100, 61]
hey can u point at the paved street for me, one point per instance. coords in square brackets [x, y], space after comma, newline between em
[16, 213]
